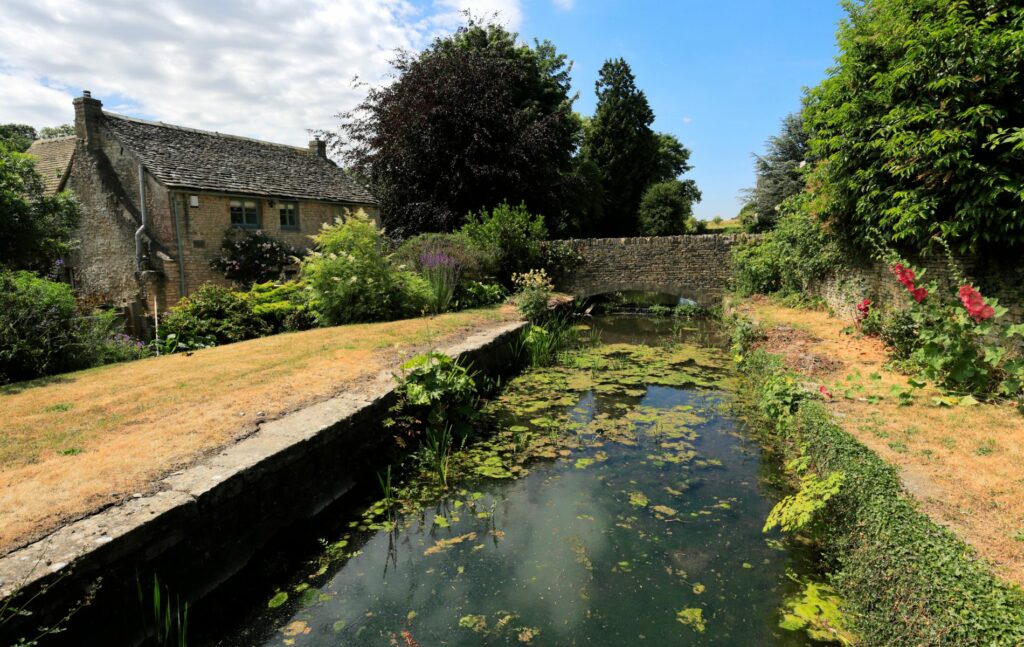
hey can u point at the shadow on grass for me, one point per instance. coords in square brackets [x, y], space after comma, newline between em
[18, 387]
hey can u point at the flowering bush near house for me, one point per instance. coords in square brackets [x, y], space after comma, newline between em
[253, 257]
[353, 281]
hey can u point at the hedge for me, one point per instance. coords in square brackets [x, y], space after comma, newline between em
[906, 580]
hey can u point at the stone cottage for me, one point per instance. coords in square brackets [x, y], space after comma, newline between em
[157, 201]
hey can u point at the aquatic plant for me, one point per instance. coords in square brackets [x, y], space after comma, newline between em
[164, 618]
[437, 443]
[387, 489]
[540, 345]
[800, 511]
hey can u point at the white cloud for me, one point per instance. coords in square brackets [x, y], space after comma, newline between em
[262, 69]
[687, 120]
[565, 5]
[505, 12]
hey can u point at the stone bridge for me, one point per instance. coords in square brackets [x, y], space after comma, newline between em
[696, 267]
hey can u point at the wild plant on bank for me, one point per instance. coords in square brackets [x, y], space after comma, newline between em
[533, 292]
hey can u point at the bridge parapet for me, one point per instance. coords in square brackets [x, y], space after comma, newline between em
[697, 266]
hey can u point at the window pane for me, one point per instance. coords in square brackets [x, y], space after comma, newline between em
[289, 215]
[244, 213]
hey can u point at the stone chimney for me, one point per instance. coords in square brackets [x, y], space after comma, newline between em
[88, 113]
[318, 148]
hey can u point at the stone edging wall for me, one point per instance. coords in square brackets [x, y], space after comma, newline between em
[206, 522]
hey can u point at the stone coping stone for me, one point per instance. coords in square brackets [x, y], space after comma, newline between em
[145, 526]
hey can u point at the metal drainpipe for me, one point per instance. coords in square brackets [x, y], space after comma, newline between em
[177, 243]
[142, 211]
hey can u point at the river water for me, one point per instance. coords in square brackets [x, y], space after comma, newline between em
[629, 511]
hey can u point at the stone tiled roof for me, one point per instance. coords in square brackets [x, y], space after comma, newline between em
[53, 160]
[197, 159]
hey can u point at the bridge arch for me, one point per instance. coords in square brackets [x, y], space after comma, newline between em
[696, 267]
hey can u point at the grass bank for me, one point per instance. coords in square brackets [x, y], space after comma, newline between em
[906, 580]
[74, 443]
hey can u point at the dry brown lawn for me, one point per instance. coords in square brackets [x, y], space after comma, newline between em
[74, 444]
[965, 465]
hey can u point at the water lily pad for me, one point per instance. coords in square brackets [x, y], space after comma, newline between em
[693, 618]
[279, 598]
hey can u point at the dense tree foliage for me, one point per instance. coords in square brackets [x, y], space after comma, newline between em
[474, 120]
[671, 160]
[620, 142]
[18, 137]
[919, 124]
[778, 175]
[666, 208]
[37, 227]
[53, 132]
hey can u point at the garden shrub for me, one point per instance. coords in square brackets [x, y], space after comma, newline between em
[788, 259]
[559, 258]
[897, 330]
[918, 124]
[353, 281]
[249, 257]
[41, 329]
[475, 294]
[666, 208]
[533, 292]
[283, 306]
[456, 245]
[509, 239]
[211, 315]
[906, 580]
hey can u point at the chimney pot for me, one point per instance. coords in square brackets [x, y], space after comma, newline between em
[87, 94]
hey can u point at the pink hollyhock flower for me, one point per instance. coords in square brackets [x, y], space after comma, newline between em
[975, 304]
[863, 309]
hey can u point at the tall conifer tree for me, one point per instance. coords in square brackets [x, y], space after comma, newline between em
[620, 142]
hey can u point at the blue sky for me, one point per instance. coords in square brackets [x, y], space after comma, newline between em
[719, 75]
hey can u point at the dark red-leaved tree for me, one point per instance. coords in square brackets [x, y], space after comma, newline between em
[474, 120]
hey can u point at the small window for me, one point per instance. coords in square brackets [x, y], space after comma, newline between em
[289, 212]
[245, 213]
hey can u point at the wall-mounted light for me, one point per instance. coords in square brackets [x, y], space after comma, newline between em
[270, 203]
[193, 201]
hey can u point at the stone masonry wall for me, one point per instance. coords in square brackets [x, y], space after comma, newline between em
[872, 280]
[203, 229]
[696, 267]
